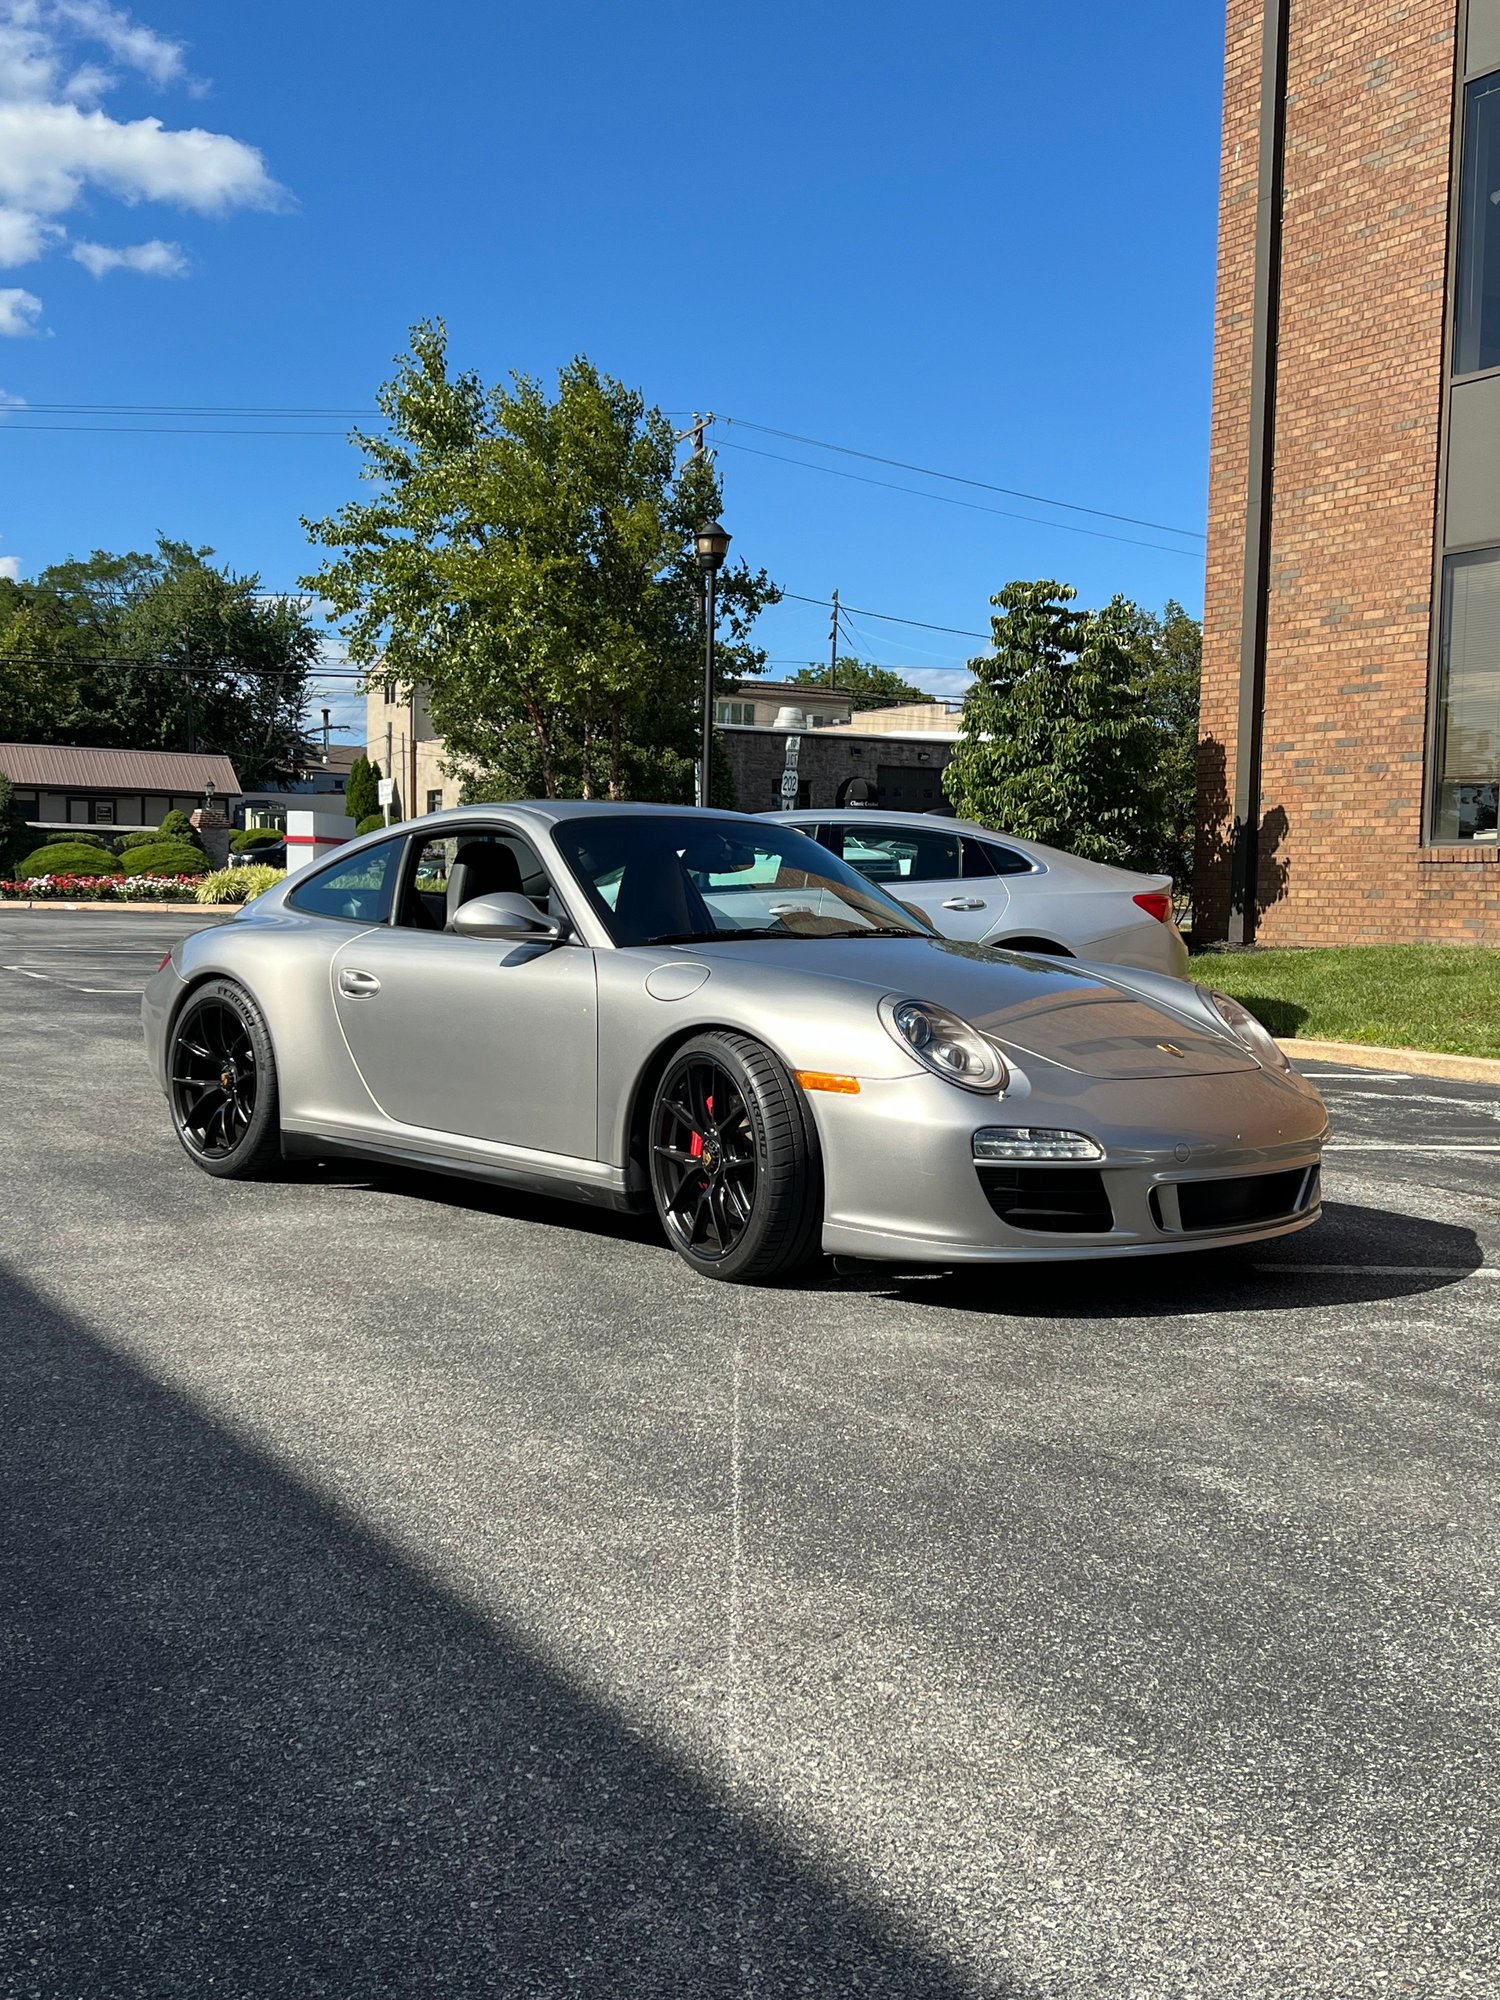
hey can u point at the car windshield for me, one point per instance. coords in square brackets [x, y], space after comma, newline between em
[660, 879]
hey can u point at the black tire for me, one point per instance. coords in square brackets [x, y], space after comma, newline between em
[222, 1084]
[734, 1162]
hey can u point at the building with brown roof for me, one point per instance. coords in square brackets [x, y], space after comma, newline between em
[63, 784]
[1350, 733]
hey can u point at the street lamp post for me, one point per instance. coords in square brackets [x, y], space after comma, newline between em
[713, 545]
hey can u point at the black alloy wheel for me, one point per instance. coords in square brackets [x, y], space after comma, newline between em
[223, 1083]
[733, 1161]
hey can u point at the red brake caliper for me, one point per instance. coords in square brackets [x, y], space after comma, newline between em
[695, 1144]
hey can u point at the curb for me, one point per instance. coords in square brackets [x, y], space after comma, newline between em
[1414, 1062]
[120, 909]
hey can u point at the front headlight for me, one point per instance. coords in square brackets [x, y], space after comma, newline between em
[1243, 1025]
[943, 1043]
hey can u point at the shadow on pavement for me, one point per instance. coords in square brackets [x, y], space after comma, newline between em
[1316, 1267]
[251, 1751]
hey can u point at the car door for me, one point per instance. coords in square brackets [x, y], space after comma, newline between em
[924, 863]
[473, 1038]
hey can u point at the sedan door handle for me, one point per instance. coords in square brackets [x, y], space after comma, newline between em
[358, 985]
[964, 903]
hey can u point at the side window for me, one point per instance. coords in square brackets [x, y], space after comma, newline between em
[1002, 860]
[447, 872]
[901, 853]
[359, 890]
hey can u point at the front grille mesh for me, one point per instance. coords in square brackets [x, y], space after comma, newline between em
[1057, 1200]
[1255, 1198]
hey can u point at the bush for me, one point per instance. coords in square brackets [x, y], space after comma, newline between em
[177, 826]
[81, 837]
[238, 885]
[257, 836]
[371, 823]
[167, 857]
[15, 835]
[149, 836]
[360, 794]
[68, 857]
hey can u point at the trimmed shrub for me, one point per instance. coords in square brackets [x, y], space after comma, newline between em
[238, 885]
[149, 836]
[167, 857]
[370, 823]
[177, 826]
[257, 836]
[68, 857]
[81, 837]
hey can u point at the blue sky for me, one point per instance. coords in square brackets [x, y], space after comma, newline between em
[979, 239]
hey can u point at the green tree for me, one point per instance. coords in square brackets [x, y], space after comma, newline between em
[1168, 646]
[869, 685]
[527, 560]
[16, 837]
[161, 651]
[1055, 742]
[361, 798]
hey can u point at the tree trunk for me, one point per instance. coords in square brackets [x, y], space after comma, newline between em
[616, 753]
[588, 744]
[537, 716]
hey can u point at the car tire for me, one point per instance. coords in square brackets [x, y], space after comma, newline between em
[735, 1170]
[221, 1083]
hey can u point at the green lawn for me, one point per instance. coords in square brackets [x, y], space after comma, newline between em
[1415, 996]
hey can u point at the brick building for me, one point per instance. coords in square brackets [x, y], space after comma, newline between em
[1350, 736]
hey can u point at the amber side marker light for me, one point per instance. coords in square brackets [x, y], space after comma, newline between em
[820, 1079]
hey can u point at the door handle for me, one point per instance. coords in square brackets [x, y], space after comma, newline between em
[964, 903]
[358, 985]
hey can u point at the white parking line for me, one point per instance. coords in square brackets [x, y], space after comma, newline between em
[1357, 1076]
[1412, 1146]
[1311, 1269]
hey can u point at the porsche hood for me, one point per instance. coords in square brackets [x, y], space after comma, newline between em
[1066, 1014]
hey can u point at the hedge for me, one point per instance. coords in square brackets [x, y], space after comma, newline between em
[370, 823]
[177, 826]
[149, 836]
[167, 857]
[68, 857]
[257, 836]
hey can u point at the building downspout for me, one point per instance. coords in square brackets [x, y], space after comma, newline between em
[1256, 591]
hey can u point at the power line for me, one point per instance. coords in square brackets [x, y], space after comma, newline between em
[975, 506]
[887, 617]
[961, 479]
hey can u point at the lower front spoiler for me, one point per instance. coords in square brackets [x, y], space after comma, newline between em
[884, 1246]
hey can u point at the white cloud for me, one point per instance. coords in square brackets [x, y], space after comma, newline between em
[19, 311]
[152, 260]
[59, 148]
[10, 402]
[130, 42]
[11, 566]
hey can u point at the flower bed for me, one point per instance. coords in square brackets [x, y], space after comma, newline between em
[101, 889]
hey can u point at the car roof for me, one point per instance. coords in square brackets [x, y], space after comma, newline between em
[555, 811]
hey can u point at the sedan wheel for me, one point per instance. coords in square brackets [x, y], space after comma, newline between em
[733, 1162]
[223, 1084]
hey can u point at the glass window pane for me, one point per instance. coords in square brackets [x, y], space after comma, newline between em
[1477, 331]
[905, 854]
[1468, 729]
[359, 889]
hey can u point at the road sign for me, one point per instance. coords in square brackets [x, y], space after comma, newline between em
[793, 746]
[385, 791]
[789, 785]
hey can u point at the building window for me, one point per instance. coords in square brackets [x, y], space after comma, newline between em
[735, 711]
[435, 802]
[1477, 334]
[1468, 715]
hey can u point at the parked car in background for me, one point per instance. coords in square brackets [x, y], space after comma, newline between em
[991, 888]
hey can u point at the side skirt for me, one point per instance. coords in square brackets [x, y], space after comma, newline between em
[561, 1185]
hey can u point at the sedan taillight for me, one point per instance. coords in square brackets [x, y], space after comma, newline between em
[1156, 903]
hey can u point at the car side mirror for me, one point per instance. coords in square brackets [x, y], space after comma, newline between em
[507, 915]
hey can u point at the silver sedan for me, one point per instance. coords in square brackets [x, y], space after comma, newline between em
[993, 888]
[707, 1013]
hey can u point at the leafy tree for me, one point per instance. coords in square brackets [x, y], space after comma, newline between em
[16, 837]
[1169, 652]
[869, 685]
[160, 651]
[361, 797]
[1055, 742]
[528, 562]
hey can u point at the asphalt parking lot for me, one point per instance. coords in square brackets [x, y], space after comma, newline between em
[410, 1588]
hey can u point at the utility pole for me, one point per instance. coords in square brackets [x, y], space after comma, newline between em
[833, 643]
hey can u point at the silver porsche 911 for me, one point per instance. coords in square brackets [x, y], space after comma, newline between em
[712, 1014]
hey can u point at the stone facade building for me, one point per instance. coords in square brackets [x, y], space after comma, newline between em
[1350, 734]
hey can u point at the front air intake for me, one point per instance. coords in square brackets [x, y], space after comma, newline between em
[1052, 1200]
